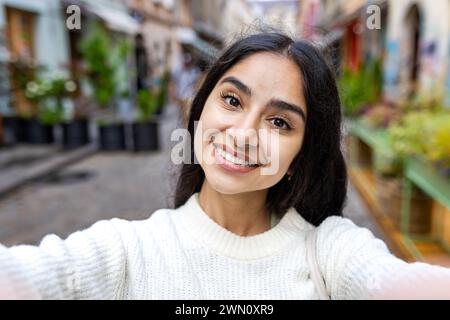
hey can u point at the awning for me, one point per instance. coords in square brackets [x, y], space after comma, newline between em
[188, 37]
[210, 52]
[185, 35]
[115, 19]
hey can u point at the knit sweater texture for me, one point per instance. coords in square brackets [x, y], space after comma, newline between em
[183, 254]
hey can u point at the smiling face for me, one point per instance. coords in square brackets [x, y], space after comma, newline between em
[252, 125]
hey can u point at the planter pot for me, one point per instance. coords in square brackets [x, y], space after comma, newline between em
[389, 198]
[10, 130]
[39, 133]
[16, 129]
[159, 110]
[145, 136]
[112, 137]
[22, 125]
[75, 134]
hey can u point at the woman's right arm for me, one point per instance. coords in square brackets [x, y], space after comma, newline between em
[89, 264]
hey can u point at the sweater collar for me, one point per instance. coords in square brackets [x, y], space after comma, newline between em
[227, 243]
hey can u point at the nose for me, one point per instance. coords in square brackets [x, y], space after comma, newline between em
[245, 133]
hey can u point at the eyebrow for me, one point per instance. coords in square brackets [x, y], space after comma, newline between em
[238, 84]
[274, 103]
[280, 104]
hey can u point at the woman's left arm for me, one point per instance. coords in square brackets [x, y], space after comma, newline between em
[357, 265]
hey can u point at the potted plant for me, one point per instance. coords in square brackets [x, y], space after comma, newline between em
[163, 92]
[75, 124]
[48, 94]
[411, 136]
[53, 110]
[103, 61]
[17, 123]
[40, 129]
[437, 150]
[145, 130]
[75, 133]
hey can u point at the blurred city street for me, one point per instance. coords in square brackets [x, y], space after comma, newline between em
[91, 91]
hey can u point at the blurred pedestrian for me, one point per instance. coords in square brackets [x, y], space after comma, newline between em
[142, 64]
[185, 80]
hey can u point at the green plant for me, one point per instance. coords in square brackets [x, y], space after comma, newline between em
[433, 100]
[50, 115]
[147, 103]
[102, 122]
[49, 94]
[387, 163]
[163, 94]
[360, 88]
[438, 148]
[22, 73]
[409, 135]
[103, 60]
[425, 134]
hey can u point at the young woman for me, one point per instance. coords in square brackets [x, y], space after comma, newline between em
[260, 219]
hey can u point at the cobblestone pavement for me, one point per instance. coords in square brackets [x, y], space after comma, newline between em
[103, 186]
[357, 211]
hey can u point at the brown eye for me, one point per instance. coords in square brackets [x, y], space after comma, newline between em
[230, 99]
[280, 123]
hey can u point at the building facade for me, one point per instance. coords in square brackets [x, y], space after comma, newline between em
[412, 41]
[35, 35]
[417, 48]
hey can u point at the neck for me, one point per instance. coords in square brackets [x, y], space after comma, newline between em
[244, 214]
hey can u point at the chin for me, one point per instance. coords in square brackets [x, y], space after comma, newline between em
[227, 185]
[234, 185]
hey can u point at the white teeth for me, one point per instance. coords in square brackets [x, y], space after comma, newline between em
[229, 157]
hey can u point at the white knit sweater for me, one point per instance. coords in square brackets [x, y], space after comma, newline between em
[184, 254]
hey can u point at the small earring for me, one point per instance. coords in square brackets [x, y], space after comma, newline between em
[290, 176]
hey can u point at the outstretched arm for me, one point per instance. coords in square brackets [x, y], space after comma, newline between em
[89, 264]
[356, 265]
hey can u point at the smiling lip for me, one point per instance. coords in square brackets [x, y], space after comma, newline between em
[233, 152]
[230, 166]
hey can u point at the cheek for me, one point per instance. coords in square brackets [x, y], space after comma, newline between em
[212, 116]
[287, 155]
[209, 124]
[281, 150]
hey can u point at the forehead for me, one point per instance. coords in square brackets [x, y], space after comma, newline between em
[269, 73]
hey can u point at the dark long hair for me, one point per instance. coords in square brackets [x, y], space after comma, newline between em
[318, 186]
